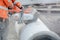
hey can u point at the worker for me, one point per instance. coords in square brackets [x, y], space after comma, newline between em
[4, 5]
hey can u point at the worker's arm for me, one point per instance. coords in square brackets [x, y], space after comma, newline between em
[18, 4]
[15, 9]
[8, 3]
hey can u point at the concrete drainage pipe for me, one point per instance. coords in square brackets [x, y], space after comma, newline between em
[37, 31]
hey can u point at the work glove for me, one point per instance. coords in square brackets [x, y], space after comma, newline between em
[28, 10]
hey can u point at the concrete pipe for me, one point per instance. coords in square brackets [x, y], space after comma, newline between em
[37, 31]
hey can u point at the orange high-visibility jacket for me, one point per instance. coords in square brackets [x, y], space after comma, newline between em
[4, 4]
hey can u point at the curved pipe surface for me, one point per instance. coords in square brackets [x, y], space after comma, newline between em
[37, 30]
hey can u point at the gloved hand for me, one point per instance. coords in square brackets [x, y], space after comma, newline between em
[28, 10]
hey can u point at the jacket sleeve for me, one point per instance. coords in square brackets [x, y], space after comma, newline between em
[18, 4]
[8, 3]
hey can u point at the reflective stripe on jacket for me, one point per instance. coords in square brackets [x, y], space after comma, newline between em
[1, 7]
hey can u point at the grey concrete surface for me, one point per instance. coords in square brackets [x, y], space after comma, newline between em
[52, 21]
[11, 32]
